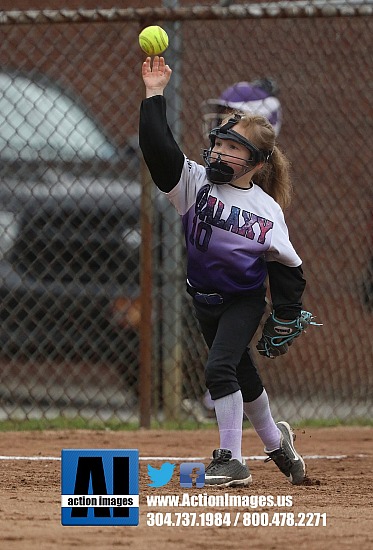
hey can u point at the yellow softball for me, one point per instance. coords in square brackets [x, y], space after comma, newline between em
[153, 40]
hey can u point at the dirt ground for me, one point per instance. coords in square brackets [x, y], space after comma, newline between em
[30, 513]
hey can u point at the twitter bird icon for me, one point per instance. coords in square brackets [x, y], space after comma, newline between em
[162, 476]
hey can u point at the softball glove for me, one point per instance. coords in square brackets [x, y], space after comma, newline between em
[278, 335]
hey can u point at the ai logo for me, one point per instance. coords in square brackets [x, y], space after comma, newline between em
[100, 486]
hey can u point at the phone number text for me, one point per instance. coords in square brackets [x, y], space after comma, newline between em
[229, 519]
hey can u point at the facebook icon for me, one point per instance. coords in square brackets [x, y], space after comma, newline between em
[192, 474]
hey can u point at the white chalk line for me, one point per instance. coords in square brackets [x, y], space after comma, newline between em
[188, 458]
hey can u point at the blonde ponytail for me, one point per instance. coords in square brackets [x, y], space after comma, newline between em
[274, 178]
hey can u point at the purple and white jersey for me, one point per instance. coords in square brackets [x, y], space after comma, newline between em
[230, 233]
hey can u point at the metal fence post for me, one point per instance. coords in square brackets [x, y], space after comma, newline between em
[172, 269]
[146, 284]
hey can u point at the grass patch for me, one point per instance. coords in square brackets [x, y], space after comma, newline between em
[334, 422]
[62, 423]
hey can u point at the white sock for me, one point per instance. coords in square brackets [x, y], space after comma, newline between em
[208, 401]
[260, 416]
[229, 414]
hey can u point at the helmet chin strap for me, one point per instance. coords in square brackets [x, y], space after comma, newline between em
[220, 173]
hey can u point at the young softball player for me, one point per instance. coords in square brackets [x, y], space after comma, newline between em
[235, 232]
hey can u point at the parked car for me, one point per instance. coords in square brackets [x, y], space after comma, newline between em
[69, 229]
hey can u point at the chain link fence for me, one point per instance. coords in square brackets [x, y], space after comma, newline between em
[95, 322]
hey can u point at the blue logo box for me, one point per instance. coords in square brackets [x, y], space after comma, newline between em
[99, 487]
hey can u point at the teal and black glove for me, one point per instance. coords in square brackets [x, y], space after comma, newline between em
[278, 334]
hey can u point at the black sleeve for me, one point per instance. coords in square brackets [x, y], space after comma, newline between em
[287, 285]
[162, 154]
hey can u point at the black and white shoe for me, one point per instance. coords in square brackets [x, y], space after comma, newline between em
[286, 458]
[226, 471]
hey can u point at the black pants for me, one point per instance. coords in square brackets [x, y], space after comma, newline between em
[228, 329]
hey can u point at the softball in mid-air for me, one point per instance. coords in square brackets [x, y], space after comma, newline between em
[153, 40]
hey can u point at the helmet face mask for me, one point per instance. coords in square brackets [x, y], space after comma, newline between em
[217, 169]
